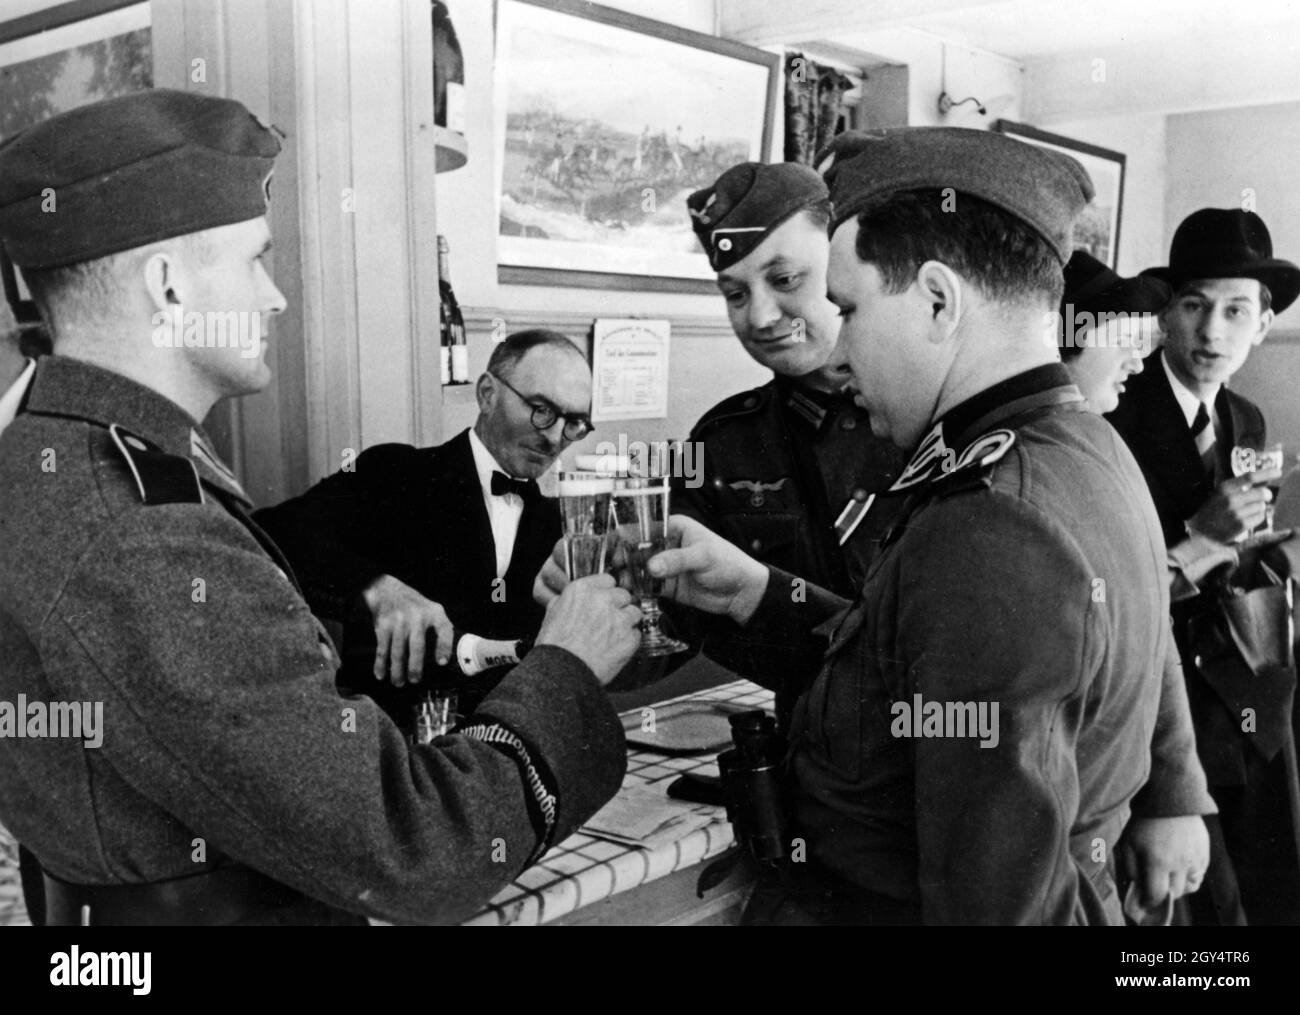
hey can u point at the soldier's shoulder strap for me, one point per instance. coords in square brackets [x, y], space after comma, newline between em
[160, 478]
[740, 405]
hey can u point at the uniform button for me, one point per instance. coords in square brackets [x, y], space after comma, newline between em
[848, 423]
[750, 402]
[860, 495]
[756, 545]
[717, 482]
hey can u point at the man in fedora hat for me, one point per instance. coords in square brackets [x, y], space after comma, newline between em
[1182, 423]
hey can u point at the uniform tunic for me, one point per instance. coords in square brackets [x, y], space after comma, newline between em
[1029, 573]
[130, 575]
[779, 464]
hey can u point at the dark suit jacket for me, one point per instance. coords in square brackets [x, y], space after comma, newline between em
[416, 514]
[1152, 423]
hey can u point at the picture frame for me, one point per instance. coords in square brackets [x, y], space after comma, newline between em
[1097, 229]
[57, 59]
[596, 156]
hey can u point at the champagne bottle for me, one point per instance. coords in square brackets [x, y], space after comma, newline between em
[455, 351]
[475, 654]
[448, 72]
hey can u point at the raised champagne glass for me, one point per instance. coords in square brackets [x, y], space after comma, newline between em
[640, 508]
[585, 512]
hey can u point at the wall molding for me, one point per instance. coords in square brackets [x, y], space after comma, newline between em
[488, 323]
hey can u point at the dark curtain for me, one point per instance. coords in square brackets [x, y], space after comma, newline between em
[815, 110]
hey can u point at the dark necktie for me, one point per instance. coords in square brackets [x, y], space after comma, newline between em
[1203, 434]
[525, 488]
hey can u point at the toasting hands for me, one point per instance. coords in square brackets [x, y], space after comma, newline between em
[595, 620]
[702, 570]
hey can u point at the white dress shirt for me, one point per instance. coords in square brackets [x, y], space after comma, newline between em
[10, 399]
[504, 510]
[1188, 401]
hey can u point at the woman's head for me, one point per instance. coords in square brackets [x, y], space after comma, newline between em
[1108, 325]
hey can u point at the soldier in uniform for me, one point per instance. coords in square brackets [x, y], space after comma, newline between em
[1019, 591]
[230, 782]
[791, 471]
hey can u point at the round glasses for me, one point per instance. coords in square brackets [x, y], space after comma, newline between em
[544, 415]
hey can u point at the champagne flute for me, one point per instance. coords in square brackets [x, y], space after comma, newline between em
[640, 507]
[585, 512]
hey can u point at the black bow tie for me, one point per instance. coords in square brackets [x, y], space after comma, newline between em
[525, 488]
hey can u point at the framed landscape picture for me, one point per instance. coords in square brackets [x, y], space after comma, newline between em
[605, 123]
[61, 58]
[1097, 229]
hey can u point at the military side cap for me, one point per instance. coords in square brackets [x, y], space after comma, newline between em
[1042, 188]
[128, 171]
[747, 202]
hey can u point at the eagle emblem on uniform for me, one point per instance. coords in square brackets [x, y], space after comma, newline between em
[757, 489]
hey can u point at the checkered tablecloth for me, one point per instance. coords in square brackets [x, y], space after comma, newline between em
[12, 911]
[584, 869]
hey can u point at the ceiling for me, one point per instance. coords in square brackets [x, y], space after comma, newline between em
[1027, 29]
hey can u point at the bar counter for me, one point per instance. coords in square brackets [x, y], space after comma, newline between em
[589, 880]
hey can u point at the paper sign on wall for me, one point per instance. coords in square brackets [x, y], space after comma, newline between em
[629, 366]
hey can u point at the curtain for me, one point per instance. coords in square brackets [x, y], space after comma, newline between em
[815, 110]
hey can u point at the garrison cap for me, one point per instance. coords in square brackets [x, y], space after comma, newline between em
[747, 202]
[1044, 189]
[128, 171]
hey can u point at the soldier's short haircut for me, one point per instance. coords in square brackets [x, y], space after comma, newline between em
[513, 348]
[1003, 257]
[88, 290]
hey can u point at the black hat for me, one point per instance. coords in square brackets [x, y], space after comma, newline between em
[1044, 189]
[128, 171]
[1228, 243]
[1093, 287]
[747, 202]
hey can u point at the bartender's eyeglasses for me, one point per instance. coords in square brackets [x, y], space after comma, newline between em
[545, 414]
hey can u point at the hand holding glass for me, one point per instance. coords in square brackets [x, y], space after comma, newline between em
[640, 509]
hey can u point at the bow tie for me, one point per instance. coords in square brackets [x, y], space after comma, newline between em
[524, 488]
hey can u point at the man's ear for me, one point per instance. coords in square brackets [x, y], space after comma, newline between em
[485, 392]
[161, 280]
[941, 289]
[1265, 322]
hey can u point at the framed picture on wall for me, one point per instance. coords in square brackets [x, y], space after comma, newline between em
[1097, 229]
[605, 123]
[60, 58]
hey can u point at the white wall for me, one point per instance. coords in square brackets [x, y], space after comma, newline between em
[1143, 236]
[935, 65]
[706, 362]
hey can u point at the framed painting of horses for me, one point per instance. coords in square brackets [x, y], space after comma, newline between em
[605, 123]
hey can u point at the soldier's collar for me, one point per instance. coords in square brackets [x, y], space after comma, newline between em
[813, 407]
[1042, 386]
[975, 434]
[78, 390]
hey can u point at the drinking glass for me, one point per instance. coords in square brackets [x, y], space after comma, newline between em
[585, 511]
[640, 507]
[1248, 460]
[435, 715]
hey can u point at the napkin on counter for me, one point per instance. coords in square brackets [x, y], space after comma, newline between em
[644, 816]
